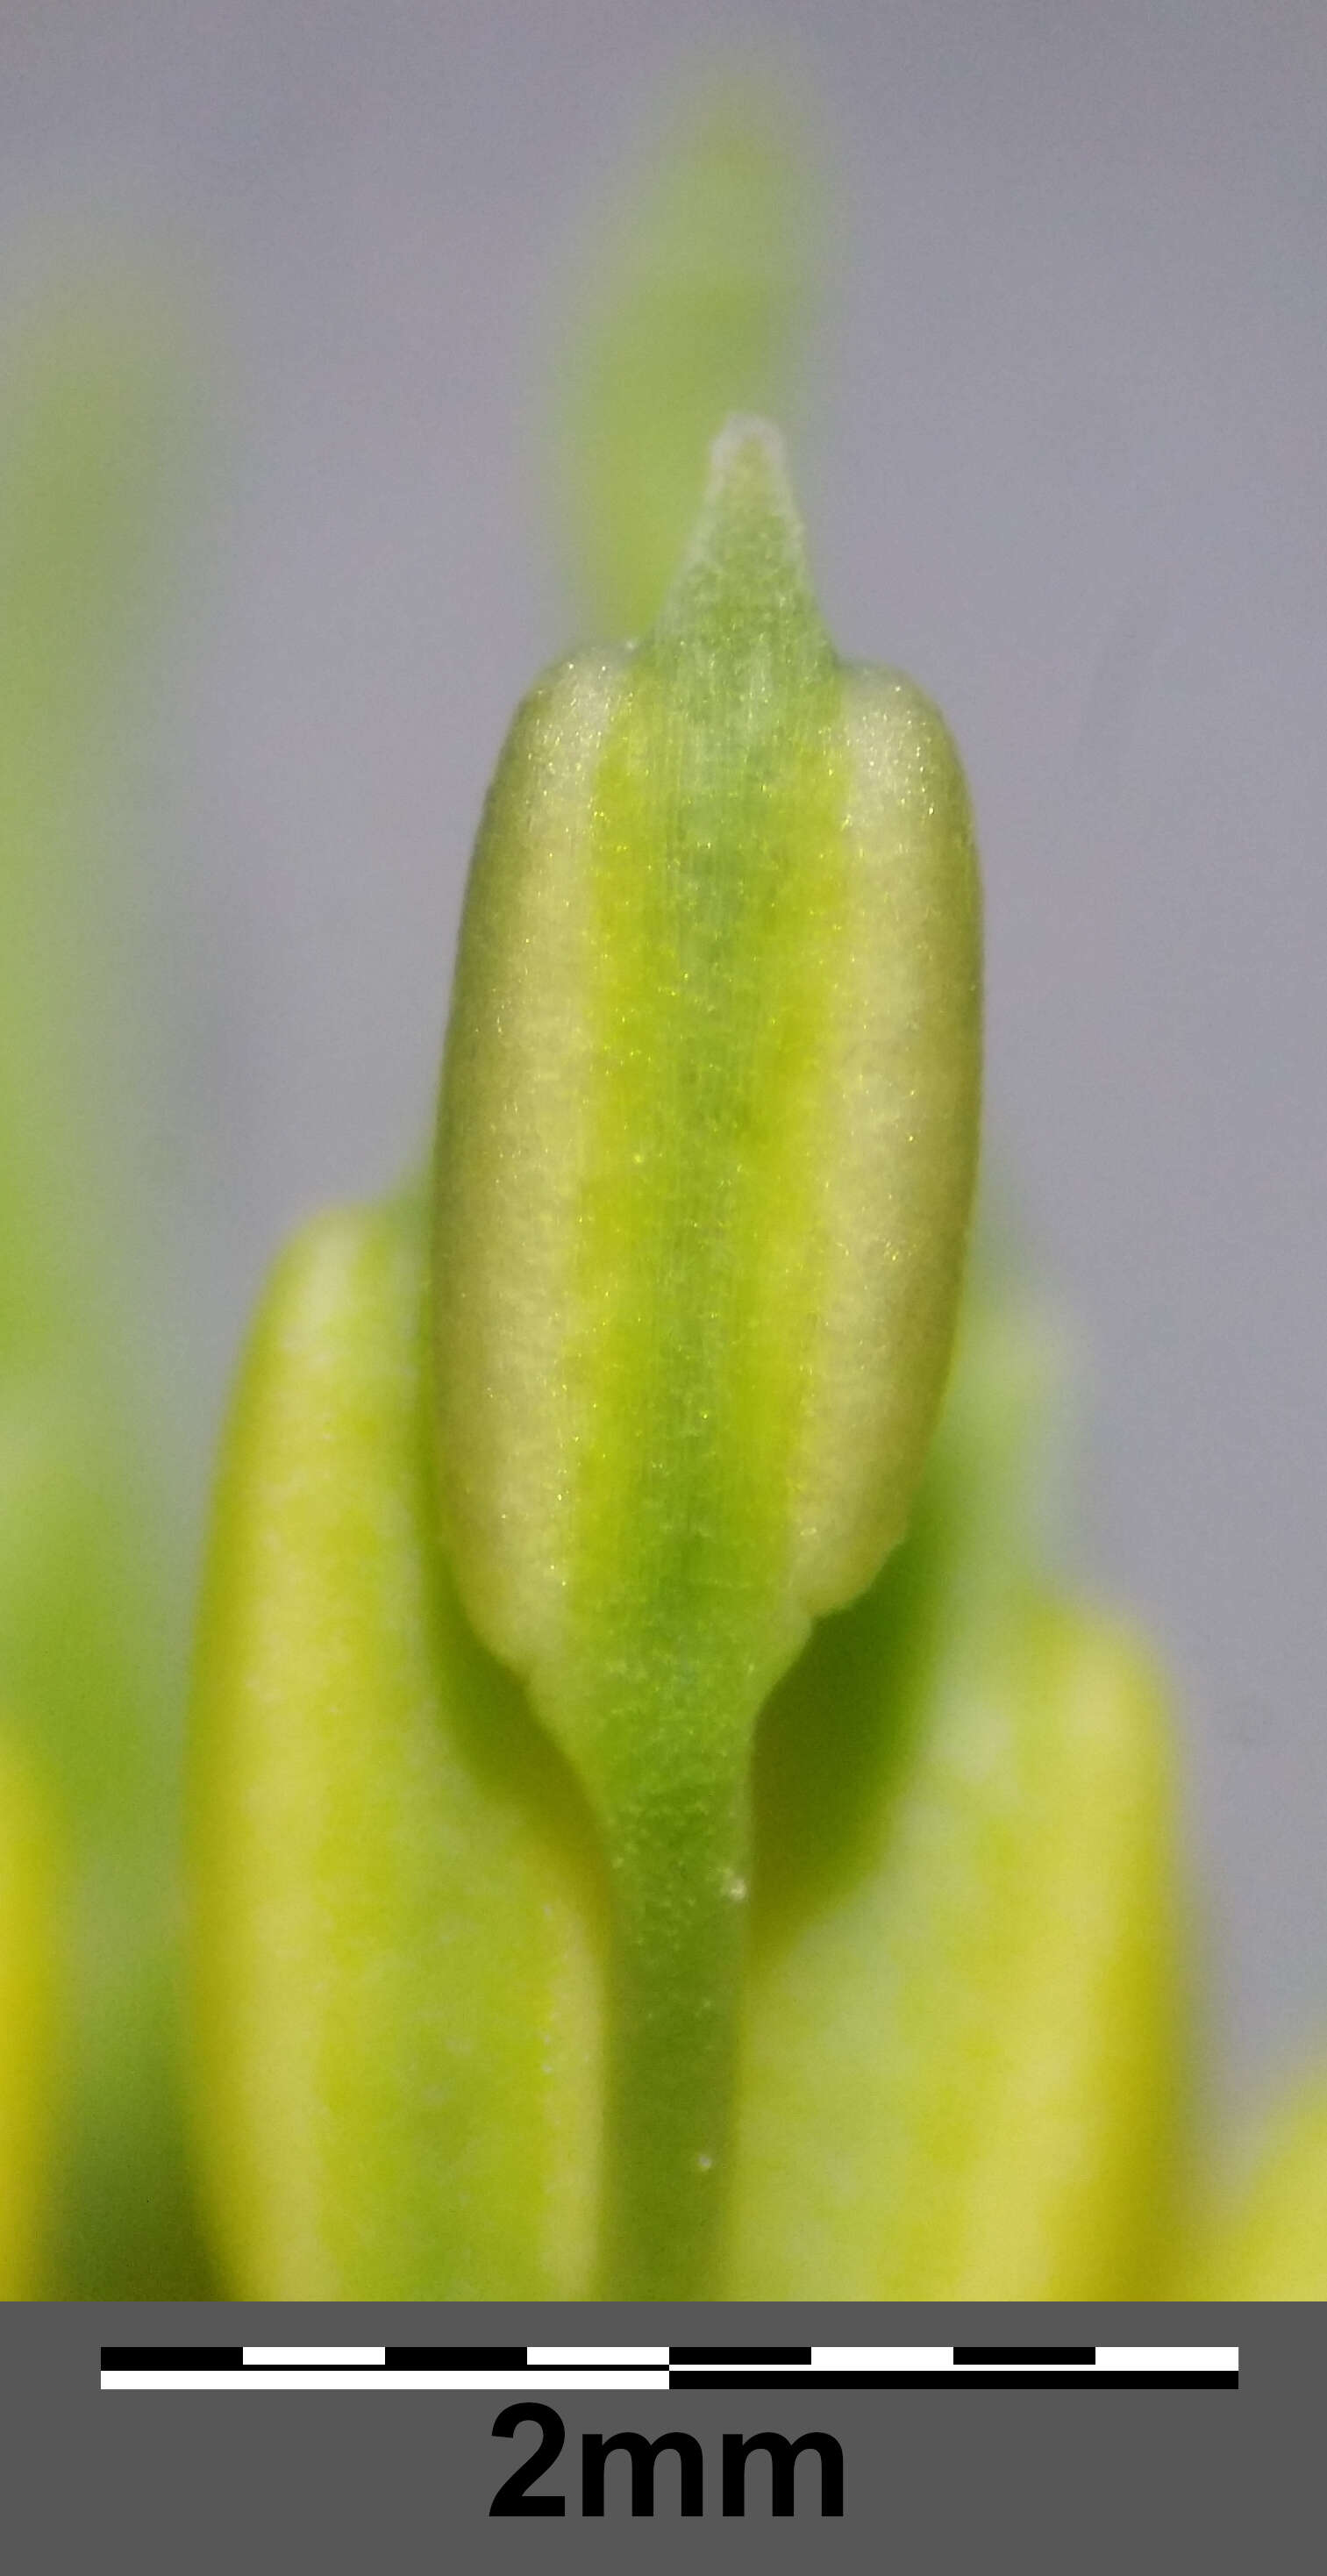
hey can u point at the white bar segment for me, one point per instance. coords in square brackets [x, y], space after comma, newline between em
[312, 2356]
[597, 2356]
[882, 2356]
[1179, 2356]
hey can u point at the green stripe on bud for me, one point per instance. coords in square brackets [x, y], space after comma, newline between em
[706, 1148]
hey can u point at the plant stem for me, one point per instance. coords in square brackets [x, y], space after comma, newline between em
[680, 1885]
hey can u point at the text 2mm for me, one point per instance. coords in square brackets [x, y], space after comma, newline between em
[522, 2494]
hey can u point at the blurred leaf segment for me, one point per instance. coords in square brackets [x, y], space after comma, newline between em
[957, 2042]
[89, 1686]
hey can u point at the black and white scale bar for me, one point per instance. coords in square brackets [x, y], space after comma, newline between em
[457, 2366]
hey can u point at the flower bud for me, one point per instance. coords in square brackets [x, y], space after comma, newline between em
[706, 1148]
[397, 1989]
[960, 1997]
[961, 2065]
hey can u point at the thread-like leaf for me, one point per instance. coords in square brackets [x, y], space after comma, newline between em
[696, 308]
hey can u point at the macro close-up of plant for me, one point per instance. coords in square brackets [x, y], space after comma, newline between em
[651, 1817]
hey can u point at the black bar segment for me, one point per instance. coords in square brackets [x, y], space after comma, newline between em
[172, 2356]
[703, 2355]
[965, 2354]
[807, 2380]
[456, 2356]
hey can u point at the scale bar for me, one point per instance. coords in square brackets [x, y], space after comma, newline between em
[455, 2368]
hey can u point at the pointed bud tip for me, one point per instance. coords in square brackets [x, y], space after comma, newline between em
[748, 478]
[747, 543]
[749, 448]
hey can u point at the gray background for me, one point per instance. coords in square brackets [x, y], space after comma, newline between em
[1067, 465]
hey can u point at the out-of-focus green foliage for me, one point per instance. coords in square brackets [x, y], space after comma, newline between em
[696, 306]
[85, 1616]
[30, 1980]
[1264, 2235]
